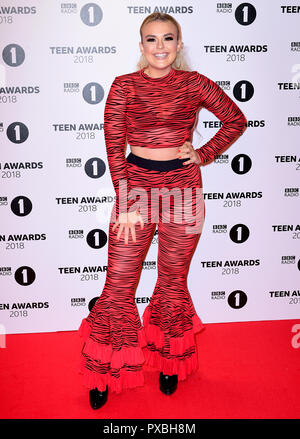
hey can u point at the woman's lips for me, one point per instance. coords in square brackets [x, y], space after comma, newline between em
[161, 55]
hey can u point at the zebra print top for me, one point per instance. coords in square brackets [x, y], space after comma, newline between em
[161, 113]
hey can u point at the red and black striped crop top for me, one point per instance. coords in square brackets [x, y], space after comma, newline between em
[161, 113]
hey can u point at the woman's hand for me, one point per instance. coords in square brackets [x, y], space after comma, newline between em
[127, 222]
[187, 150]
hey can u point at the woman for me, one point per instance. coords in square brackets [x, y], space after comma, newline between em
[158, 184]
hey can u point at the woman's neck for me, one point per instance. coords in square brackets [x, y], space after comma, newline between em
[155, 73]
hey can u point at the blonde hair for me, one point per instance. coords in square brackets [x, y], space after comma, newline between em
[180, 62]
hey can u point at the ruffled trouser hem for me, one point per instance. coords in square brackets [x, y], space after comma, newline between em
[124, 365]
[122, 369]
[182, 359]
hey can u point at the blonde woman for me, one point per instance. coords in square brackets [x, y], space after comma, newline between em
[157, 185]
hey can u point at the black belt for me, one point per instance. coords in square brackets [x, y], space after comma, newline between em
[155, 165]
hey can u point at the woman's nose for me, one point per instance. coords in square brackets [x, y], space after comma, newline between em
[160, 43]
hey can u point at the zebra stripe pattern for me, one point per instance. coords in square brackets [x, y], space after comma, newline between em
[116, 343]
[161, 113]
[154, 113]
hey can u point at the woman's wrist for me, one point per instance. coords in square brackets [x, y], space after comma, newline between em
[199, 152]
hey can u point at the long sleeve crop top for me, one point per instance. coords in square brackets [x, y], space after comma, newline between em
[160, 113]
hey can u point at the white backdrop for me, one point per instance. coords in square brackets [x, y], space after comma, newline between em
[58, 61]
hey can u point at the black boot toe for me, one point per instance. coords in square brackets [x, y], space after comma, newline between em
[168, 383]
[97, 398]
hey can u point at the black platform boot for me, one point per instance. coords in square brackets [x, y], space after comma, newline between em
[97, 398]
[168, 383]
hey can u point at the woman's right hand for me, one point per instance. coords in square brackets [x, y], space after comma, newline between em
[126, 222]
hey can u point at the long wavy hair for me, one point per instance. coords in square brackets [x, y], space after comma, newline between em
[180, 62]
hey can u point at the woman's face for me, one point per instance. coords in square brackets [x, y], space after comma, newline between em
[159, 44]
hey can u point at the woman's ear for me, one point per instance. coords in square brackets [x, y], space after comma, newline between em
[179, 45]
[141, 47]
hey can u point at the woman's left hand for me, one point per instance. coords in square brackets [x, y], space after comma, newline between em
[187, 151]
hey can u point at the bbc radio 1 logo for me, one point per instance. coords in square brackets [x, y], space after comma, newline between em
[17, 132]
[245, 14]
[237, 299]
[21, 206]
[25, 276]
[243, 90]
[13, 55]
[96, 238]
[91, 14]
[95, 167]
[241, 164]
[93, 93]
[239, 233]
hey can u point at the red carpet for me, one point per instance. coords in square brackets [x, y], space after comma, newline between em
[246, 370]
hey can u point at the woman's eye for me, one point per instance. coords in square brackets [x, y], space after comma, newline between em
[150, 40]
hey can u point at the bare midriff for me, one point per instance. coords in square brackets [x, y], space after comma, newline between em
[155, 153]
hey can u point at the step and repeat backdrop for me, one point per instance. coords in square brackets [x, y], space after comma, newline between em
[58, 61]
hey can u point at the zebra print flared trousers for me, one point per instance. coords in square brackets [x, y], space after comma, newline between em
[115, 342]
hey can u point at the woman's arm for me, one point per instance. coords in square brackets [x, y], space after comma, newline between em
[115, 140]
[234, 123]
